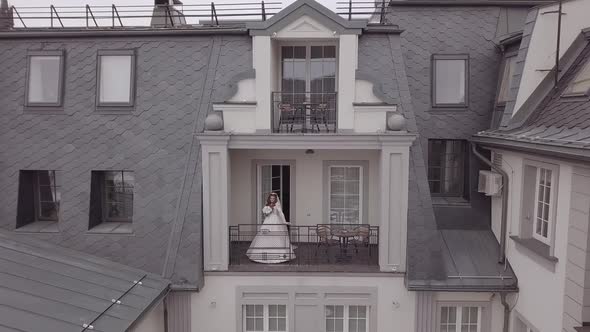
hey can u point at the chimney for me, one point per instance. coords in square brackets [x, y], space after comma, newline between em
[6, 21]
[165, 15]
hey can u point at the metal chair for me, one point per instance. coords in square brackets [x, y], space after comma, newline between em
[325, 237]
[286, 116]
[362, 238]
[319, 115]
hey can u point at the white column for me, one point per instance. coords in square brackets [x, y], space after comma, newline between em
[347, 64]
[394, 206]
[215, 166]
[261, 53]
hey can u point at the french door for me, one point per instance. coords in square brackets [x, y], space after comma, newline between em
[274, 178]
[308, 73]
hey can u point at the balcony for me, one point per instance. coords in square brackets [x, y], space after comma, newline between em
[319, 248]
[304, 112]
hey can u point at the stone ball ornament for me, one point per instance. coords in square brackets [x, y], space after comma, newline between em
[213, 122]
[396, 122]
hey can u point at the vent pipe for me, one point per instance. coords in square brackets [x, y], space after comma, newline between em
[165, 14]
[6, 20]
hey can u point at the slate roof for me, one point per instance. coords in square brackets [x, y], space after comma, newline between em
[559, 123]
[44, 287]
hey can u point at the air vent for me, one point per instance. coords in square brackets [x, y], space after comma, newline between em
[497, 159]
[489, 183]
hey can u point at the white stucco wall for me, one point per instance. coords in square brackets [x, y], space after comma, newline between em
[152, 321]
[541, 53]
[214, 308]
[541, 283]
[308, 178]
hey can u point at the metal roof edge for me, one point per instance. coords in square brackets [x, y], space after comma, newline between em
[382, 29]
[150, 306]
[477, 289]
[551, 150]
[114, 33]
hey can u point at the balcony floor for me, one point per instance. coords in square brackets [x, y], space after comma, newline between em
[309, 259]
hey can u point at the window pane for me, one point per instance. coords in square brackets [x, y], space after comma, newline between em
[446, 167]
[44, 79]
[581, 83]
[48, 211]
[450, 81]
[115, 79]
[506, 83]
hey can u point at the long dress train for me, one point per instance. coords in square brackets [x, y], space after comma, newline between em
[271, 244]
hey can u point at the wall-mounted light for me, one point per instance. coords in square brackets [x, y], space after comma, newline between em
[309, 151]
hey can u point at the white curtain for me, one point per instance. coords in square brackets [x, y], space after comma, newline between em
[115, 79]
[44, 79]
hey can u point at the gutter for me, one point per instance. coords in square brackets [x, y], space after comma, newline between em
[502, 254]
[32, 33]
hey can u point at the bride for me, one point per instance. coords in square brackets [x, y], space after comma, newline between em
[272, 244]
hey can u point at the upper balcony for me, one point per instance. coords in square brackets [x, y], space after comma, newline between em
[304, 112]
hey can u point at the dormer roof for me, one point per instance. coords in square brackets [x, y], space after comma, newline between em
[309, 8]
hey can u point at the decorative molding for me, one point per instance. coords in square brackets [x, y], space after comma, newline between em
[232, 88]
[378, 90]
[310, 141]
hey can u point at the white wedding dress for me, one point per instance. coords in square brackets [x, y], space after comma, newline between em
[271, 244]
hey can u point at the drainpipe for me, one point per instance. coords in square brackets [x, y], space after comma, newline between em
[502, 255]
[506, 327]
[166, 314]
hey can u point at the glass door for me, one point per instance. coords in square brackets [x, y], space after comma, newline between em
[277, 179]
[307, 73]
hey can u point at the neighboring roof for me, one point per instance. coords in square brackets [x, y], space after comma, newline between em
[47, 288]
[547, 120]
[470, 262]
[312, 9]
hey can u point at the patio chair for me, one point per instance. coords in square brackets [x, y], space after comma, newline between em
[286, 116]
[362, 239]
[325, 237]
[319, 115]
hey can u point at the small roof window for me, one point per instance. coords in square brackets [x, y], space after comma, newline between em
[580, 85]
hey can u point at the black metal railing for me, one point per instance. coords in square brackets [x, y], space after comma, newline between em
[322, 244]
[375, 10]
[304, 112]
[111, 16]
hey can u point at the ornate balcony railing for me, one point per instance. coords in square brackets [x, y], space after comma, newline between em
[337, 247]
[304, 112]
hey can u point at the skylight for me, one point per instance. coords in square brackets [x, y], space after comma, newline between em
[580, 85]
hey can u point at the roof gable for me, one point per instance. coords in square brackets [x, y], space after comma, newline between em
[311, 9]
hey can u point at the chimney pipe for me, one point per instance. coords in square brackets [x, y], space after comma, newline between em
[6, 20]
[165, 15]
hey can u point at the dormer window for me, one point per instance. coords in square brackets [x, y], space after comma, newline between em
[306, 100]
[580, 85]
[308, 71]
[506, 84]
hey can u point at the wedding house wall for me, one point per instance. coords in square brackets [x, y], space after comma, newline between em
[309, 178]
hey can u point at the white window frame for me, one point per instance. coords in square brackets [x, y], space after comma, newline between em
[257, 201]
[132, 79]
[59, 84]
[265, 317]
[361, 188]
[442, 57]
[506, 82]
[307, 45]
[549, 216]
[459, 316]
[346, 315]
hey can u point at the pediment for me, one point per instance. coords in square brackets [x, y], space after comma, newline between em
[305, 27]
[290, 18]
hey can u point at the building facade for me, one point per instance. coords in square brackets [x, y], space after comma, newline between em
[157, 148]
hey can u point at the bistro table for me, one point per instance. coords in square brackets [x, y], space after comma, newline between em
[344, 235]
